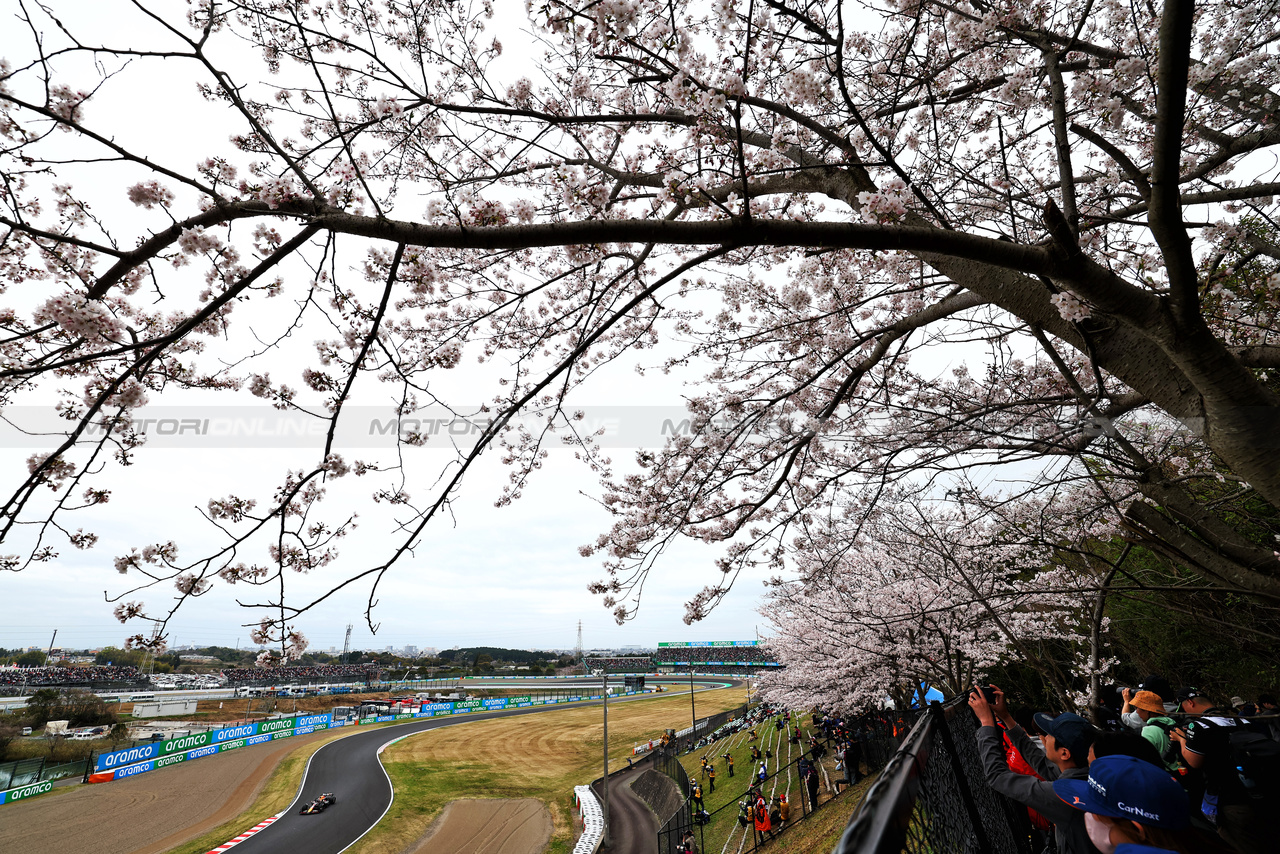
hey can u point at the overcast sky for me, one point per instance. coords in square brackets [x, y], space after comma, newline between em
[505, 577]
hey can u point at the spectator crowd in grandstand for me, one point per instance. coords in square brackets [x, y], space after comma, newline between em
[1166, 771]
[729, 660]
[299, 673]
[629, 664]
[727, 654]
[70, 677]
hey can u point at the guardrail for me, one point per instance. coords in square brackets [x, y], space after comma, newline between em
[932, 796]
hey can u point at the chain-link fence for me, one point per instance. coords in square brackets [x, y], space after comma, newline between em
[932, 796]
[24, 772]
[731, 825]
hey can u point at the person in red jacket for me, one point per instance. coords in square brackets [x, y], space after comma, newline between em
[1020, 765]
[763, 826]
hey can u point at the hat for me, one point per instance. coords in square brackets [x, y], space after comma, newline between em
[1127, 787]
[1070, 730]
[1185, 694]
[1159, 685]
[1148, 701]
[1237, 701]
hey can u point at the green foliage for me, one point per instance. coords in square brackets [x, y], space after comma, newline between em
[496, 654]
[78, 708]
[119, 657]
[35, 658]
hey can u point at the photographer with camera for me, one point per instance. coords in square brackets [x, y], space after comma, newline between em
[1065, 757]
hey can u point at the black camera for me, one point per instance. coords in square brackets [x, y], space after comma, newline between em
[987, 691]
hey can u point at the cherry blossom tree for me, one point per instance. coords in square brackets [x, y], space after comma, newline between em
[921, 595]
[811, 203]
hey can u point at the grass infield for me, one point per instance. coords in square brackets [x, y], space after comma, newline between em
[541, 756]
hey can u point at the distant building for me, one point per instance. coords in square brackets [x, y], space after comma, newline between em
[411, 651]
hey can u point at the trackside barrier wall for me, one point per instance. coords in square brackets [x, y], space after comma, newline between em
[149, 757]
[592, 820]
[25, 792]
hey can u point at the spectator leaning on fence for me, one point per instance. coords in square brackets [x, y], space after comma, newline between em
[1065, 757]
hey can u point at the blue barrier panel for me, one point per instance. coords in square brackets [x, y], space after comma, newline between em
[142, 752]
[231, 732]
[131, 770]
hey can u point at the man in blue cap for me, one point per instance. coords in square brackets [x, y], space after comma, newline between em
[1065, 757]
[1130, 806]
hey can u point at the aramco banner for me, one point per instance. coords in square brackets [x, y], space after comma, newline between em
[148, 757]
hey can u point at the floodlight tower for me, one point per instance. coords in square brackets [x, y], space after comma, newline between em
[346, 645]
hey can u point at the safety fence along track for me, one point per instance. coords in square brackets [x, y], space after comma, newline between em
[932, 796]
[728, 828]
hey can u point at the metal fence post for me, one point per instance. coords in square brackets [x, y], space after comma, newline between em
[966, 795]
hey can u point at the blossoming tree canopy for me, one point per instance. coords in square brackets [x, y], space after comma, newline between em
[1079, 190]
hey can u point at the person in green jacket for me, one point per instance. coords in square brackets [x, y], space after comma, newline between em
[1156, 726]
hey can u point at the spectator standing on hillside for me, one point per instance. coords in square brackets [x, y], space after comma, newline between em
[852, 761]
[711, 779]
[728, 758]
[1065, 756]
[811, 780]
[1206, 745]
[761, 814]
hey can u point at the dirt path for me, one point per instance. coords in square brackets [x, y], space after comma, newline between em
[149, 813]
[518, 826]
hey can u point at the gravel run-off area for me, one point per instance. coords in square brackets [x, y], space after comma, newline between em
[149, 813]
[500, 826]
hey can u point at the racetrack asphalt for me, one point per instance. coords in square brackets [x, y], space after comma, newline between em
[633, 828]
[350, 769]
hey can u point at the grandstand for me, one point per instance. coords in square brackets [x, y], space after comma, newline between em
[625, 664]
[18, 680]
[300, 674]
[730, 658]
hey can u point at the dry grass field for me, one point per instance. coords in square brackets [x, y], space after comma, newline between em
[541, 756]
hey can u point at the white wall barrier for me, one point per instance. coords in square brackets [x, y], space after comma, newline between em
[592, 820]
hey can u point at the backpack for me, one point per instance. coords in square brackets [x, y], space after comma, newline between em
[1257, 760]
[1173, 752]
